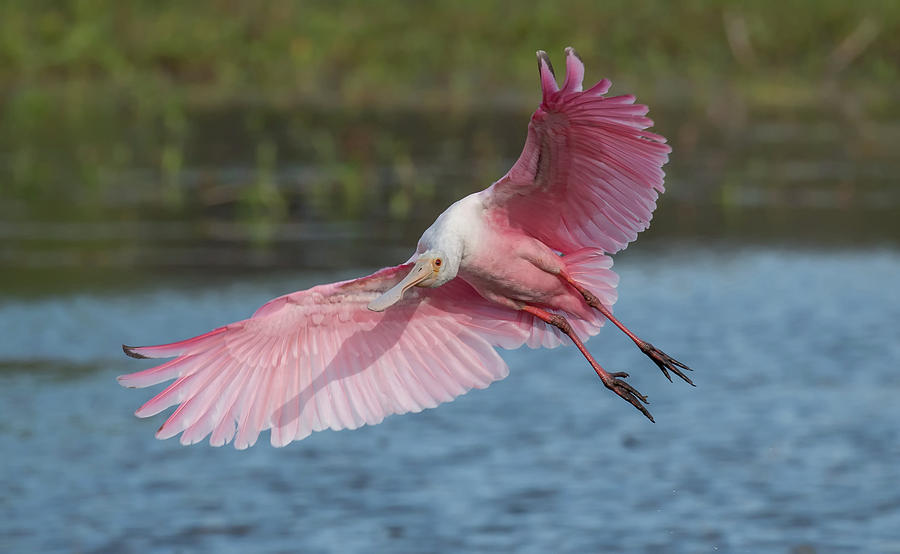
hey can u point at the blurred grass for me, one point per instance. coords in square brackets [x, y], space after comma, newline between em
[438, 52]
[107, 101]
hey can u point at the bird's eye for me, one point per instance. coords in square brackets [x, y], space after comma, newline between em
[437, 262]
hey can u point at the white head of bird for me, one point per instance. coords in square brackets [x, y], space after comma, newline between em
[433, 268]
[437, 258]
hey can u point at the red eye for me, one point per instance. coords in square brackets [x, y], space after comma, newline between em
[438, 262]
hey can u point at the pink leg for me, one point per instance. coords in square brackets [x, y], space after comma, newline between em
[613, 381]
[665, 362]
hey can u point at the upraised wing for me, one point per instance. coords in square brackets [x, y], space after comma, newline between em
[318, 359]
[590, 173]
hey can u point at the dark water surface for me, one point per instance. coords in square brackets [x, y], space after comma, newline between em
[789, 443]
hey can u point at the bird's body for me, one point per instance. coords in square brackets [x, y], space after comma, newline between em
[501, 262]
[522, 262]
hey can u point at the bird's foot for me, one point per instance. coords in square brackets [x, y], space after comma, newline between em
[665, 362]
[614, 382]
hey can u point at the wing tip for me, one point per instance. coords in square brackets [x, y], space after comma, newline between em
[132, 351]
[548, 77]
[574, 71]
[543, 57]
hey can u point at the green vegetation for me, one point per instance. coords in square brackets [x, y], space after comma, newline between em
[110, 109]
[436, 52]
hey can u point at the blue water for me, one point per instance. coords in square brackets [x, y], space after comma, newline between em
[789, 443]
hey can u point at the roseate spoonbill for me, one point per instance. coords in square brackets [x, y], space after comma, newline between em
[521, 262]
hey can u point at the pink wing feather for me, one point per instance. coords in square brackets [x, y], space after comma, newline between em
[318, 359]
[590, 173]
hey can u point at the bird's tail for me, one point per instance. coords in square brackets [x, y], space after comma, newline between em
[592, 269]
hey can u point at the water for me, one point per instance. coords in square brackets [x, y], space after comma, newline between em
[789, 443]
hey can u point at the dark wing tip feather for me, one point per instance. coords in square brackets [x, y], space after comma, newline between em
[541, 55]
[131, 351]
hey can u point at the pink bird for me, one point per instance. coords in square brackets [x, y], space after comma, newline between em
[520, 263]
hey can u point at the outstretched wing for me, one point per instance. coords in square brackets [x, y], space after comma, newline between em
[318, 359]
[590, 173]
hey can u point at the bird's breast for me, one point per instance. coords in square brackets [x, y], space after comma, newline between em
[503, 265]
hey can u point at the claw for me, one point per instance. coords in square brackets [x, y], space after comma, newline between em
[614, 382]
[665, 362]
